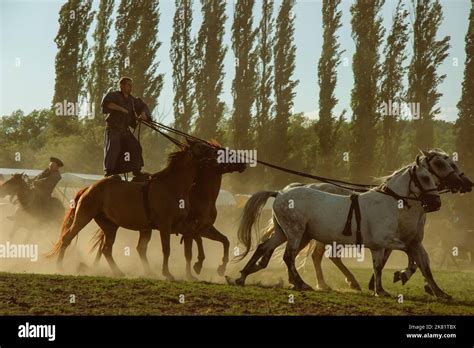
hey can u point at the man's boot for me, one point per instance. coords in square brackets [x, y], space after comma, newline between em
[139, 176]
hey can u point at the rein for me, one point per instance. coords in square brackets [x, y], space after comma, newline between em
[159, 127]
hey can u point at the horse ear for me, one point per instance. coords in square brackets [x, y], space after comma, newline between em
[424, 152]
[418, 159]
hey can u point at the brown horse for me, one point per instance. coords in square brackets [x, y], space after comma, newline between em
[198, 223]
[32, 212]
[168, 193]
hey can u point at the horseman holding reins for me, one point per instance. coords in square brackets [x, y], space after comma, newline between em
[122, 151]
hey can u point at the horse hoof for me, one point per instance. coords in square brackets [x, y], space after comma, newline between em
[230, 280]
[396, 276]
[404, 278]
[119, 274]
[169, 277]
[444, 296]
[240, 282]
[150, 274]
[354, 286]
[197, 267]
[304, 287]
[221, 270]
[323, 288]
[428, 290]
[191, 278]
[382, 293]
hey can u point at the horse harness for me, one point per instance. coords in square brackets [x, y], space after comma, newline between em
[146, 203]
[355, 207]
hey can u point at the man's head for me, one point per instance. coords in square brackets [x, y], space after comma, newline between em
[55, 163]
[125, 85]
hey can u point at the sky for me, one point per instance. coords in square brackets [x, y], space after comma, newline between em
[27, 53]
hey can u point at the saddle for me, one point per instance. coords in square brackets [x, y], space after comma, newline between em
[355, 207]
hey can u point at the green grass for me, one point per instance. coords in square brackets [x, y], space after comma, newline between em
[39, 294]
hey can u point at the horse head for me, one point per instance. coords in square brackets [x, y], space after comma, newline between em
[13, 186]
[446, 171]
[423, 185]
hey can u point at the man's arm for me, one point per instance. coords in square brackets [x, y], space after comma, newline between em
[110, 102]
[114, 106]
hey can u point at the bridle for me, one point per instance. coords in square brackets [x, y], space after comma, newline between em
[414, 178]
[411, 195]
[442, 179]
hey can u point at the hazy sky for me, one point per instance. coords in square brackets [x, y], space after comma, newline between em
[28, 51]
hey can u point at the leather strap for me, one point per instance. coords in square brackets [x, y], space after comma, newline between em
[355, 207]
[146, 203]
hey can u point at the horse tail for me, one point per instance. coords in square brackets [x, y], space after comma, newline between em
[98, 240]
[67, 222]
[252, 211]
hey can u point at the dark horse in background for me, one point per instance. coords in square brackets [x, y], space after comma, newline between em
[114, 203]
[199, 222]
[31, 213]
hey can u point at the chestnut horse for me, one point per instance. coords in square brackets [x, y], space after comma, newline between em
[114, 203]
[199, 222]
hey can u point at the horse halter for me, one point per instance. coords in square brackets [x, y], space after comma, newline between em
[442, 180]
[424, 193]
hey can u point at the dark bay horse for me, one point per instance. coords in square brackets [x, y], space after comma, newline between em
[113, 203]
[199, 222]
[32, 212]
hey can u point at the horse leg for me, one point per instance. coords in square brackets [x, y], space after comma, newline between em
[405, 274]
[201, 256]
[110, 235]
[378, 257]
[165, 246]
[110, 232]
[292, 248]
[188, 254]
[422, 260]
[317, 256]
[266, 248]
[350, 278]
[142, 247]
[214, 234]
[386, 255]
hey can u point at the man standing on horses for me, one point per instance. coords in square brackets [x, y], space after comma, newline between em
[122, 151]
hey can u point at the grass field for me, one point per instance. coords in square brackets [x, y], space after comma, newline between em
[39, 294]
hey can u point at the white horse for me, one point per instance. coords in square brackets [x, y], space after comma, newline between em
[303, 212]
[446, 174]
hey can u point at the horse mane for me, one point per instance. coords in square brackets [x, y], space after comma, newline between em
[385, 178]
[173, 159]
[439, 151]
